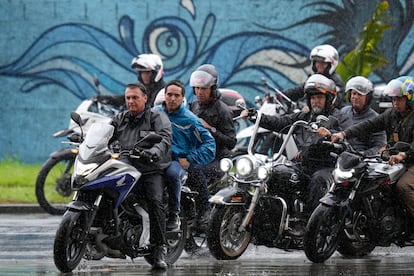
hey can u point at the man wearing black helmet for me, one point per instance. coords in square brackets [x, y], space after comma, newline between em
[216, 116]
[150, 72]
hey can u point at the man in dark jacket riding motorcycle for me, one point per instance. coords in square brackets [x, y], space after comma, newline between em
[398, 122]
[130, 126]
[324, 60]
[217, 117]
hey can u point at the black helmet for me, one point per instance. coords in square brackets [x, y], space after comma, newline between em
[205, 76]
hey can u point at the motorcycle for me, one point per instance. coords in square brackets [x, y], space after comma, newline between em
[105, 219]
[265, 202]
[52, 185]
[361, 210]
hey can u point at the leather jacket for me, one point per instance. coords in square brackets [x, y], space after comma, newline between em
[129, 129]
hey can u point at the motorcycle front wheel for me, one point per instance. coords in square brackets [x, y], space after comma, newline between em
[70, 241]
[224, 238]
[322, 233]
[53, 189]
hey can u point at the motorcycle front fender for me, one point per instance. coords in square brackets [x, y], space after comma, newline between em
[229, 196]
[64, 152]
[79, 206]
[332, 200]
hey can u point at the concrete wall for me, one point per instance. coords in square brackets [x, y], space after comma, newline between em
[50, 51]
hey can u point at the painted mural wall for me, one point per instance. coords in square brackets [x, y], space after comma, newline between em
[50, 51]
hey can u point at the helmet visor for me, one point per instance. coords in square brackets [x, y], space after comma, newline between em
[201, 79]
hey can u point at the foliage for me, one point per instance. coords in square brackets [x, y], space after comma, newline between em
[17, 181]
[365, 58]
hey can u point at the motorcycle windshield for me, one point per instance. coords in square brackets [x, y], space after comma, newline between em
[96, 140]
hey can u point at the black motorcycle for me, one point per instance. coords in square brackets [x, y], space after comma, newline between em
[362, 209]
[265, 203]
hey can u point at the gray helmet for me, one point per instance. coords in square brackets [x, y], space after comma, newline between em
[205, 76]
[319, 84]
[360, 84]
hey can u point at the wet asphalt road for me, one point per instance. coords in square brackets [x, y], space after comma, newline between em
[26, 242]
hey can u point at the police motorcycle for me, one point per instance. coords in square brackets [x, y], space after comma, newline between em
[362, 209]
[105, 219]
[264, 202]
[52, 185]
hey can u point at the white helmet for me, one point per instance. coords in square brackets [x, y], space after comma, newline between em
[149, 62]
[325, 53]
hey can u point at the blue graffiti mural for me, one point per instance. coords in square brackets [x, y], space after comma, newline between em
[243, 57]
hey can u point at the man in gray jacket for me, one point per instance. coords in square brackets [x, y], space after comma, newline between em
[130, 126]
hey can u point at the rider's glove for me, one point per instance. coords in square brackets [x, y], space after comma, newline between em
[252, 114]
[149, 156]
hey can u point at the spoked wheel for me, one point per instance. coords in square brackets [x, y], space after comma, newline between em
[53, 189]
[70, 241]
[225, 239]
[322, 236]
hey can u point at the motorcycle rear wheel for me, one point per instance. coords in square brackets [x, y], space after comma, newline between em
[70, 241]
[322, 233]
[175, 246]
[224, 239]
[53, 189]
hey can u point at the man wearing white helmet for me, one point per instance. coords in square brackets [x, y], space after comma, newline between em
[150, 72]
[324, 60]
[398, 122]
[359, 90]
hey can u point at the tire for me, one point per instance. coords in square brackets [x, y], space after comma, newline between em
[322, 233]
[53, 188]
[70, 241]
[175, 246]
[224, 240]
[356, 248]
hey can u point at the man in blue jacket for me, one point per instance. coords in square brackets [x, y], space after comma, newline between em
[192, 145]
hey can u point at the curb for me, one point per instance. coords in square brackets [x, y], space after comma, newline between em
[20, 209]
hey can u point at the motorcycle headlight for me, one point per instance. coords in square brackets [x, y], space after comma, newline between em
[262, 173]
[244, 166]
[84, 169]
[226, 164]
[341, 176]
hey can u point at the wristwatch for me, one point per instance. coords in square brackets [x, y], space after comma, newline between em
[213, 129]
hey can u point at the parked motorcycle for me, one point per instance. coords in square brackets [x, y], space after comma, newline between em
[105, 219]
[265, 202]
[52, 186]
[362, 209]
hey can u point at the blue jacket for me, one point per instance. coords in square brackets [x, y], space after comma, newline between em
[191, 139]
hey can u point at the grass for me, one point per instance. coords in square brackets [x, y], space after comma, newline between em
[17, 181]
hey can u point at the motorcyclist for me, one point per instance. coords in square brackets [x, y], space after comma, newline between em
[130, 126]
[192, 144]
[216, 116]
[320, 94]
[398, 122]
[359, 90]
[324, 60]
[150, 72]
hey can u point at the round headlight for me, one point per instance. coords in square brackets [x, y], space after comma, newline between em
[262, 173]
[226, 164]
[244, 166]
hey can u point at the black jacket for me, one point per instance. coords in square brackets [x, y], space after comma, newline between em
[296, 93]
[218, 115]
[399, 127]
[129, 129]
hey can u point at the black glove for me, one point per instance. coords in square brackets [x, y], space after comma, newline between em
[252, 114]
[146, 155]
